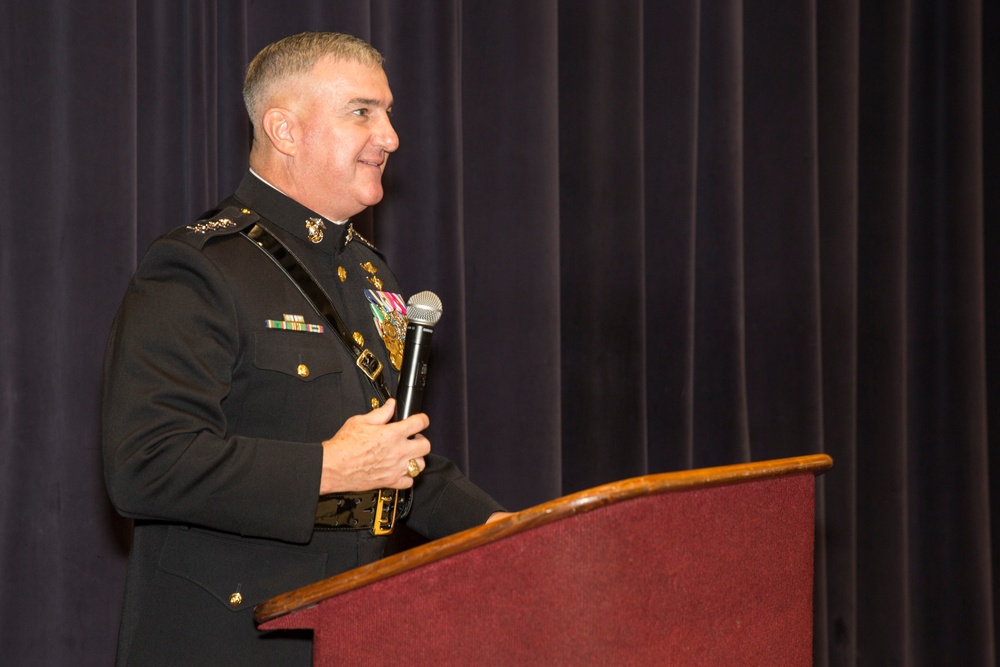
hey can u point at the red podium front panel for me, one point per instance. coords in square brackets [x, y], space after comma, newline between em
[704, 575]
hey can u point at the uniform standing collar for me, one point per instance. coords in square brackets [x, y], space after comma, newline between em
[271, 204]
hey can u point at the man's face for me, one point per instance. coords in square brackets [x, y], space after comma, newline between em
[345, 137]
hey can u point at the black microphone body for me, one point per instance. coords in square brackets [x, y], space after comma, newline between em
[423, 311]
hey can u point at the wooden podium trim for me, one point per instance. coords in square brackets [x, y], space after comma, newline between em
[539, 515]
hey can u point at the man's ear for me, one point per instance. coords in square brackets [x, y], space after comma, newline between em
[280, 126]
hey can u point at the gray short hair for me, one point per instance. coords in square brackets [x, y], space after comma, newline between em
[295, 55]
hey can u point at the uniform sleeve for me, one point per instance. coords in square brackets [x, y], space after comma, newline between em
[168, 369]
[445, 501]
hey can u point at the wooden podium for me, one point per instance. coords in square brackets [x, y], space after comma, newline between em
[700, 567]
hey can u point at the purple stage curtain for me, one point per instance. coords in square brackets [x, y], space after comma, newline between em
[666, 235]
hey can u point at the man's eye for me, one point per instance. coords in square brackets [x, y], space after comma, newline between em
[361, 112]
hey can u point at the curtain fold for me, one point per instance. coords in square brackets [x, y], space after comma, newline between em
[67, 101]
[838, 73]
[946, 337]
[510, 255]
[666, 235]
[601, 238]
[672, 58]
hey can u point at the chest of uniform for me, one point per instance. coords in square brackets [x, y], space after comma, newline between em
[293, 360]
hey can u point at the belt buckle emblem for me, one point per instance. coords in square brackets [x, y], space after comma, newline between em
[385, 511]
[369, 364]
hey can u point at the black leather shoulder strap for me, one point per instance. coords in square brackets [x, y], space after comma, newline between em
[317, 296]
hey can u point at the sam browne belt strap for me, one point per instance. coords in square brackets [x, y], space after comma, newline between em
[378, 509]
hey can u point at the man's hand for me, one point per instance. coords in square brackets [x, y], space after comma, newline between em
[369, 452]
[496, 516]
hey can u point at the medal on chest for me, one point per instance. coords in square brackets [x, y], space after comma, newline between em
[389, 312]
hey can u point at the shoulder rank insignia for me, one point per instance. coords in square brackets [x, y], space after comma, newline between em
[211, 225]
[228, 220]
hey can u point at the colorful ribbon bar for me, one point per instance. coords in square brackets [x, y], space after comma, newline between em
[294, 326]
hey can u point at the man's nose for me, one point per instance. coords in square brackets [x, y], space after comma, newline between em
[385, 136]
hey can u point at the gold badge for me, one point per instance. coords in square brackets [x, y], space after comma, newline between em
[372, 278]
[342, 273]
[315, 227]
[394, 337]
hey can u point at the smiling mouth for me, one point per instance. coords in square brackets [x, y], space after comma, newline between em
[377, 165]
[378, 161]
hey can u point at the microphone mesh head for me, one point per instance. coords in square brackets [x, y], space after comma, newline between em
[424, 308]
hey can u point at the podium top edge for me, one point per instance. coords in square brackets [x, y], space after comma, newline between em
[539, 515]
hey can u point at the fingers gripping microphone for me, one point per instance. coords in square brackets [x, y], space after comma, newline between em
[423, 311]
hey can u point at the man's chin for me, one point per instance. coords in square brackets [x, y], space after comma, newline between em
[372, 197]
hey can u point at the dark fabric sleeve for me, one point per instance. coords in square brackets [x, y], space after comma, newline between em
[168, 369]
[445, 501]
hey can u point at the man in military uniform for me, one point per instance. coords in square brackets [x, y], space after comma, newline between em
[248, 428]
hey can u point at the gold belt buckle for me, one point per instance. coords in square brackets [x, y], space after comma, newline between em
[385, 511]
[369, 364]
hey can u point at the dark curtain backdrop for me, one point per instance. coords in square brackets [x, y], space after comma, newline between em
[667, 234]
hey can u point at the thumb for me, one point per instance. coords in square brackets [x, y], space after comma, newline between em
[384, 413]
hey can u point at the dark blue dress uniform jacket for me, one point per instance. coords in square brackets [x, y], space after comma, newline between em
[212, 435]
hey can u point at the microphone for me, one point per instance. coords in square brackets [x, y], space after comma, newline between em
[423, 311]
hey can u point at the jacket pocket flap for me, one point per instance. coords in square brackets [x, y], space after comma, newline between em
[225, 567]
[305, 356]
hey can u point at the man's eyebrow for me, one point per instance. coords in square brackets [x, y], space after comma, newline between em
[364, 101]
